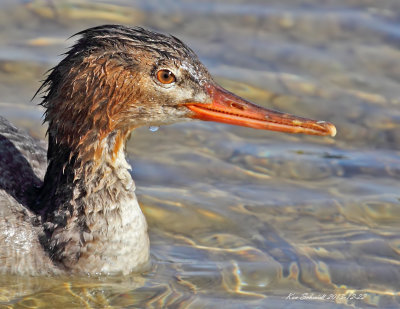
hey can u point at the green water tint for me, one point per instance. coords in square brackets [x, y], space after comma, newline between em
[241, 218]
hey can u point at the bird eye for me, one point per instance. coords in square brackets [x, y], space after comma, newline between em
[166, 76]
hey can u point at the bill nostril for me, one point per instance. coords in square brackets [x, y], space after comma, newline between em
[237, 106]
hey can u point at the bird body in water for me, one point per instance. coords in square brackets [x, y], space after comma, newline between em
[81, 215]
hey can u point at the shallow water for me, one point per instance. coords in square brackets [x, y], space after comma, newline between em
[241, 218]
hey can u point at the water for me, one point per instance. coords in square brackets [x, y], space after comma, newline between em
[153, 128]
[242, 218]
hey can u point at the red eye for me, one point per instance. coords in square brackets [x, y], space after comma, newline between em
[166, 77]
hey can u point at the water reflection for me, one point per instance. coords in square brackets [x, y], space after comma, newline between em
[241, 218]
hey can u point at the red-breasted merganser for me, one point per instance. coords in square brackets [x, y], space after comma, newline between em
[84, 217]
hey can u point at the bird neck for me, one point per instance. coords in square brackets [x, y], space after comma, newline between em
[93, 223]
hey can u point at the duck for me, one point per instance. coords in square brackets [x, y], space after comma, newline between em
[74, 209]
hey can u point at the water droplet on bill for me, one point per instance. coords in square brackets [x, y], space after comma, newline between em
[153, 128]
